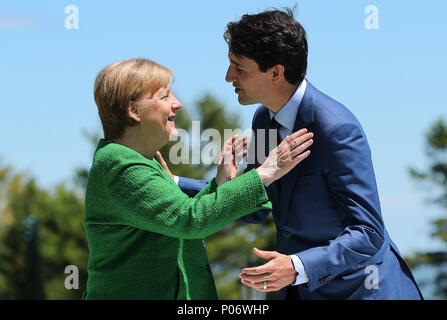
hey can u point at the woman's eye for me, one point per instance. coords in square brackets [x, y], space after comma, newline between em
[165, 97]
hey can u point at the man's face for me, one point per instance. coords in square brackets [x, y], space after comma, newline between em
[251, 85]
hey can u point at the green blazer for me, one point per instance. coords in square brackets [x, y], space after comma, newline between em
[145, 235]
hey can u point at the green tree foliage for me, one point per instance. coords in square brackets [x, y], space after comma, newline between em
[436, 175]
[34, 268]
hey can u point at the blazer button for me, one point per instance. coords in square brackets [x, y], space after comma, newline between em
[208, 268]
[287, 234]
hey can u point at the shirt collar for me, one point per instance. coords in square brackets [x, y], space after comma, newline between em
[287, 115]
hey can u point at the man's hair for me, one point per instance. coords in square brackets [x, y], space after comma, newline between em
[122, 83]
[271, 37]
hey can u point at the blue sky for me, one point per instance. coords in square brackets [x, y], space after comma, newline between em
[392, 79]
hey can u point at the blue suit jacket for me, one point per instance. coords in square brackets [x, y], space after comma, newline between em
[328, 211]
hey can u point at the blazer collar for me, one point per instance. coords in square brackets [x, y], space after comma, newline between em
[306, 110]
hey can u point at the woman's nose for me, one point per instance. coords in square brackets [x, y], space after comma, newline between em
[176, 105]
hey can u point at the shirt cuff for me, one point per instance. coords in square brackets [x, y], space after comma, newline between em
[176, 179]
[299, 268]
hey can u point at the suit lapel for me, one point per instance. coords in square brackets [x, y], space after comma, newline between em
[304, 119]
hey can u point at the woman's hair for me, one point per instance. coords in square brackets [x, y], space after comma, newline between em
[271, 37]
[122, 83]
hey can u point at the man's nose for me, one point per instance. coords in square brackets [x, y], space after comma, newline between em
[229, 77]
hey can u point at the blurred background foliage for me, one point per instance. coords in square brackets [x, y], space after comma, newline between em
[41, 230]
[40, 234]
[435, 176]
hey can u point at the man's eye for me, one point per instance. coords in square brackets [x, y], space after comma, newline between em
[239, 70]
[165, 97]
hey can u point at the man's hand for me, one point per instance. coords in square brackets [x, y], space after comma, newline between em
[278, 272]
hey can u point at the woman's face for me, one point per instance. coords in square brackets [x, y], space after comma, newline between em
[158, 114]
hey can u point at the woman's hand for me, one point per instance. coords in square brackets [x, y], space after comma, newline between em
[286, 156]
[163, 163]
[230, 157]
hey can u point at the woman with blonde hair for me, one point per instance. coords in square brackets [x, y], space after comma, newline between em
[144, 234]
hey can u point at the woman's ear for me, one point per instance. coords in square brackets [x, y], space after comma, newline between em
[132, 112]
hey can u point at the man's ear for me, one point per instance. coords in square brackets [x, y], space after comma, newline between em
[277, 72]
[132, 112]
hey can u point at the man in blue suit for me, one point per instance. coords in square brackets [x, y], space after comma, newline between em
[331, 239]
